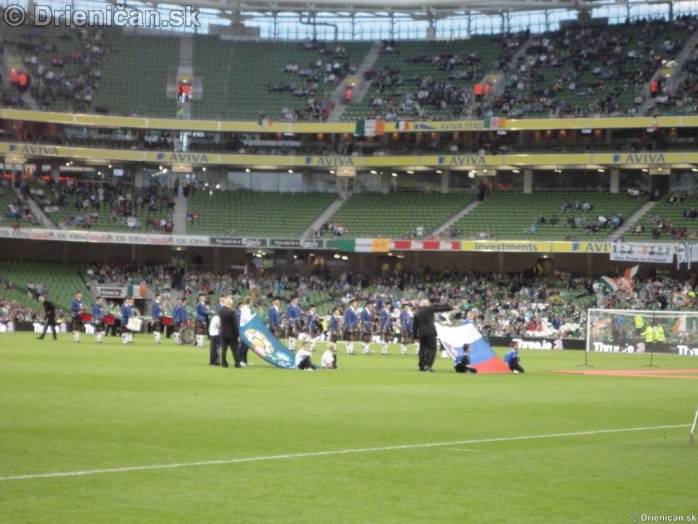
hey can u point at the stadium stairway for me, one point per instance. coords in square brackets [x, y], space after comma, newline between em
[186, 60]
[38, 212]
[675, 79]
[8, 61]
[179, 216]
[361, 87]
[499, 87]
[455, 218]
[324, 217]
[630, 223]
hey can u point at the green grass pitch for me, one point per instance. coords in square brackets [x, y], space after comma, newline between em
[145, 433]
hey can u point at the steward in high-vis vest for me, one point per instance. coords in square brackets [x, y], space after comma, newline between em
[648, 335]
[639, 324]
[659, 334]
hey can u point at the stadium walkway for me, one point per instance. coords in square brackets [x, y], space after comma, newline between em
[324, 217]
[179, 216]
[455, 218]
[630, 223]
[361, 87]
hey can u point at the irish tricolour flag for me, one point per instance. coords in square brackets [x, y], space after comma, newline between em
[370, 127]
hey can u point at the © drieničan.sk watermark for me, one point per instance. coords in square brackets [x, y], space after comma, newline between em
[107, 15]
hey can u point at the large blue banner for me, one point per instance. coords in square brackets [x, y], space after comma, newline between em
[256, 335]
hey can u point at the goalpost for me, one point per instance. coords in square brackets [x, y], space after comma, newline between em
[640, 331]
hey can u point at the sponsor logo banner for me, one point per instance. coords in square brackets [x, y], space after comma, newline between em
[8, 232]
[425, 245]
[238, 242]
[118, 238]
[653, 253]
[112, 291]
[581, 247]
[288, 243]
[540, 343]
[507, 247]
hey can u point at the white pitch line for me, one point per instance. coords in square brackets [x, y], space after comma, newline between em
[222, 462]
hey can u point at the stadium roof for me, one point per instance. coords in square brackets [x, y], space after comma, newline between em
[429, 8]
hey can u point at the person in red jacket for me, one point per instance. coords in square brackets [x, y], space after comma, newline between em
[477, 91]
[23, 81]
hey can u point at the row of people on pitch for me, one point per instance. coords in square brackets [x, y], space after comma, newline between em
[353, 325]
[363, 325]
[97, 317]
[294, 321]
[128, 312]
[180, 318]
[76, 310]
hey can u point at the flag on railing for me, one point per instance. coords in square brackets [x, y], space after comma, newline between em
[265, 122]
[495, 122]
[404, 125]
[370, 128]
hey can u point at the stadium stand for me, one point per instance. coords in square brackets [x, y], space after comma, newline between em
[16, 212]
[247, 213]
[583, 68]
[546, 216]
[276, 80]
[672, 219]
[57, 281]
[63, 64]
[431, 80]
[394, 215]
[587, 69]
[105, 207]
[134, 76]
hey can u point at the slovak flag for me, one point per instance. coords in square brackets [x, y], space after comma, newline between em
[482, 357]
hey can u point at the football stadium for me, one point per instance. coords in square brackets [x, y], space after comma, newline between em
[474, 222]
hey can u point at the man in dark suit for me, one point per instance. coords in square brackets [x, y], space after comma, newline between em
[228, 333]
[424, 330]
[49, 317]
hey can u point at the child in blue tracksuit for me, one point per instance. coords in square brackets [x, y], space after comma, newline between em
[512, 358]
[462, 363]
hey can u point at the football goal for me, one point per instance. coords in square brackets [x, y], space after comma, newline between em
[640, 331]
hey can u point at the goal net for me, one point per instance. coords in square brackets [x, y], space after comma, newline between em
[638, 331]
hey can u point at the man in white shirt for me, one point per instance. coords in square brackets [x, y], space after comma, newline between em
[214, 332]
[303, 356]
[245, 316]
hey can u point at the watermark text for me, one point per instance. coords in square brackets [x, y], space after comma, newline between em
[107, 15]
